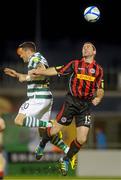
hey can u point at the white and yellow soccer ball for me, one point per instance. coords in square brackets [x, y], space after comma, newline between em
[92, 14]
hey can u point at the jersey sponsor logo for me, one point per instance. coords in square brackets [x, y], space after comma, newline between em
[92, 70]
[63, 119]
[85, 77]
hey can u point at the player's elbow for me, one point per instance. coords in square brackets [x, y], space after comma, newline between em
[2, 125]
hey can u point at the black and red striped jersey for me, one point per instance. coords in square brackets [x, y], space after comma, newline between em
[85, 78]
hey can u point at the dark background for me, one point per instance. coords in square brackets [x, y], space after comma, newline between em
[58, 20]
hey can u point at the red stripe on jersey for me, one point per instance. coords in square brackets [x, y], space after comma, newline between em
[94, 87]
[97, 71]
[81, 81]
[74, 81]
[94, 84]
[65, 68]
[100, 79]
[88, 83]
[85, 78]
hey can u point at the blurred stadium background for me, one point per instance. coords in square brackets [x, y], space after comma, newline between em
[60, 39]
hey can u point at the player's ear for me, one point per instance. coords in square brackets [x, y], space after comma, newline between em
[94, 52]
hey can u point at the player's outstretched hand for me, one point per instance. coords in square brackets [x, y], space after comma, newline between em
[10, 72]
[96, 101]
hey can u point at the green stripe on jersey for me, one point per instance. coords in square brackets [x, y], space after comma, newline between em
[40, 96]
[37, 89]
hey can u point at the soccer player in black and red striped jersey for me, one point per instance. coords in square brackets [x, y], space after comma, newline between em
[85, 88]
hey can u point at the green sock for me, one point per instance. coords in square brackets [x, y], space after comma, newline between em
[31, 121]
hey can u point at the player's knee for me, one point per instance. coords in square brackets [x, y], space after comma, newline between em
[56, 128]
[82, 140]
[18, 122]
[2, 125]
[2, 128]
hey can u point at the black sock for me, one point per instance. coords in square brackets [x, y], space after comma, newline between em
[45, 138]
[74, 148]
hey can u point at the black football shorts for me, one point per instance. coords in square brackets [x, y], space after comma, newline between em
[75, 108]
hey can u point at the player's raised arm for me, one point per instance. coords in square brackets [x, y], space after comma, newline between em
[10, 72]
[13, 73]
[2, 124]
[46, 72]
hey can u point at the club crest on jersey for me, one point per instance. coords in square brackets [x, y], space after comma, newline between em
[63, 119]
[92, 70]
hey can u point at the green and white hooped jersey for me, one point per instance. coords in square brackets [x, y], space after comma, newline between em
[35, 88]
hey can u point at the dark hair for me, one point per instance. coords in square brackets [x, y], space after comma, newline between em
[28, 45]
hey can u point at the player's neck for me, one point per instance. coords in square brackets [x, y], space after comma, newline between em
[89, 59]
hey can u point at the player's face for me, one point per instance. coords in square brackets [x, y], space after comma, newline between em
[88, 50]
[23, 54]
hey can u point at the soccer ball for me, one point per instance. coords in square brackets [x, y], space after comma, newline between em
[92, 14]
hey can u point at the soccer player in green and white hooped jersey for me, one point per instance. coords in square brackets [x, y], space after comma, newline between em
[35, 112]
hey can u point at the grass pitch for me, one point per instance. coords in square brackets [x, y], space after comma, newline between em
[59, 177]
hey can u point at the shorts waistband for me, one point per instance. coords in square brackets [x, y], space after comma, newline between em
[40, 97]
